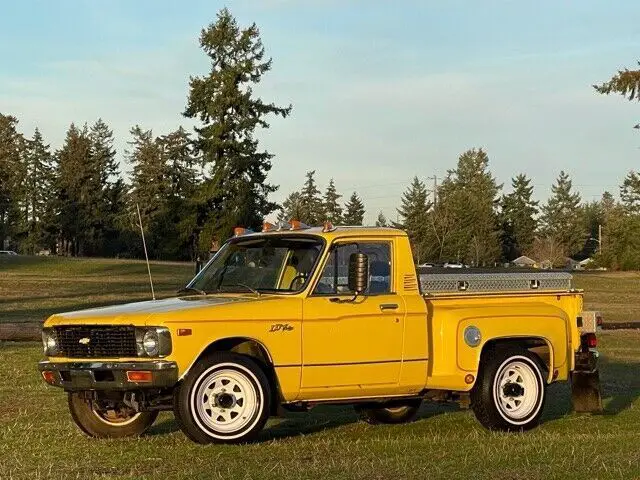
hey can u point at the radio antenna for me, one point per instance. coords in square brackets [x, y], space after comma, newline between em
[144, 245]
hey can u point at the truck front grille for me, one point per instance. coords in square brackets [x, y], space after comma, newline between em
[96, 341]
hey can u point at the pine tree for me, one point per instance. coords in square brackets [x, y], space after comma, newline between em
[312, 210]
[626, 83]
[561, 217]
[382, 220]
[11, 173]
[332, 208]
[108, 199]
[39, 193]
[75, 180]
[467, 201]
[413, 213]
[353, 211]
[178, 219]
[235, 191]
[291, 208]
[518, 218]
[630, 192]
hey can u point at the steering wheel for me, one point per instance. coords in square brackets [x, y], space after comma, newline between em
[298, 277]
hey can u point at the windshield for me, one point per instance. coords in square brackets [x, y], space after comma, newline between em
[270, 263]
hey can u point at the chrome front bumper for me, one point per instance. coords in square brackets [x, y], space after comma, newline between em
[77, 376]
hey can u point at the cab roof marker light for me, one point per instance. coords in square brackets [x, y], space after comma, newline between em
[239, 231]
[328, 227]
[297, 225]
[268, 227]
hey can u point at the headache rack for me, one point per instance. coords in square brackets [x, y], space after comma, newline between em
[494, 282]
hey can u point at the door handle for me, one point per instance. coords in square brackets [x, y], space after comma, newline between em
[388, 306]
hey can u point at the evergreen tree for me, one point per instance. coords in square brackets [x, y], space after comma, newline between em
[467, 201]
[311, 205]
[413, 213]
[354, 211]
[150, 186]
[11, 170]
[518, 218]
[561, 216]
[178, 219]
[382, 220]
[235, 190]
[291, 208]
[108, 203]
[39, 193]
[332, 208]
[75, 184]
[626, 83]
[630, 192]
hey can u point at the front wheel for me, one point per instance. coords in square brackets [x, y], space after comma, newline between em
[510, 391]
[106, 419]
[225, 398]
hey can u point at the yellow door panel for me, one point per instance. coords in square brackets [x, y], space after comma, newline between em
[352, 343]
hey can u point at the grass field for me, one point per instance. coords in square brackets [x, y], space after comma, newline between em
[32, 288]
[616, 294]
[38, 439]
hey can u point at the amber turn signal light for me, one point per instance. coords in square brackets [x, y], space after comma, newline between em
[140, 376]
[468, 379]
[49, 377]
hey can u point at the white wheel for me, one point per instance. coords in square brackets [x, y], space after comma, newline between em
[516, 390]
[226, 400]
[509, 392]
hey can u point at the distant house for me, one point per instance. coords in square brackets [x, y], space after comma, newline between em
[524, 261]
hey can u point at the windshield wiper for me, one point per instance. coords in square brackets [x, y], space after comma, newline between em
[189, 290]
[244, 285]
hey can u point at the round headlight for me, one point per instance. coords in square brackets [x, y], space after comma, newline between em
[472, 336]
[150, 343]
[49, 342]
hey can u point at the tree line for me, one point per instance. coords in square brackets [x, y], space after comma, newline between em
[192, 188]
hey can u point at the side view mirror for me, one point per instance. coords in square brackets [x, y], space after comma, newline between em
[358, 279]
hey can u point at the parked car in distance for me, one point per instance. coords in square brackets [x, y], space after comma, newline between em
[454, 265]
[426, 265]
[7, 252]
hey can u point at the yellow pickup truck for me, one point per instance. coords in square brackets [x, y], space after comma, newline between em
[295, 316]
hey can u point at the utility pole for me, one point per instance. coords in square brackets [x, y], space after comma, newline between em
[435, 189]
[600, 238]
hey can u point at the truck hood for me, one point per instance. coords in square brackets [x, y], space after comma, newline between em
[140, 312]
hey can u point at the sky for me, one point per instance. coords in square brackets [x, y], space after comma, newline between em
[382, 91]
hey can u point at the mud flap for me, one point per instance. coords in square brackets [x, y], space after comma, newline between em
[586, 394]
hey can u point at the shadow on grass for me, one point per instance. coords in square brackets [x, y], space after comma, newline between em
[319, 419]
[620, 384]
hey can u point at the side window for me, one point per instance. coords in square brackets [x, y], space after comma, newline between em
[333, 279]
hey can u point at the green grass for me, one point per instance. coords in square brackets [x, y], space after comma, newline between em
[38, 439]
[615, 294]
[33, 288]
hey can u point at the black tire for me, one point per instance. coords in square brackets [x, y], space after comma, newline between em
[395, 412]
[502, 404]
[201, 400]
[91, 417]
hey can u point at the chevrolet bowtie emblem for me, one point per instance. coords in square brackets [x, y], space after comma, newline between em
[84, 341]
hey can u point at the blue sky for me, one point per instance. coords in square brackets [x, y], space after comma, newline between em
[381, 91]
